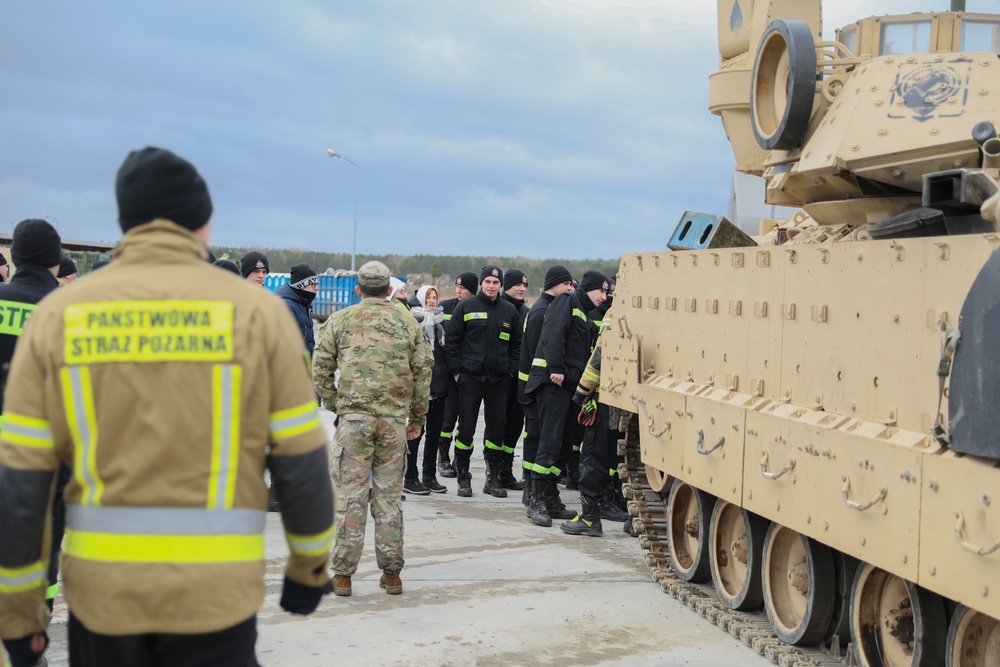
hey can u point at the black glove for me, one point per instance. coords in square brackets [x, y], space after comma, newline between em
[20, 651]
[297, 598]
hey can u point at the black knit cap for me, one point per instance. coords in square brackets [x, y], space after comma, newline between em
[514, 277]
[491, 270]
[302, 276]
[226, 265]
[155, 183]
[468, 281]
[252, 261]
[36, 242]
[594, 280]
[67, 267]
[556, 275]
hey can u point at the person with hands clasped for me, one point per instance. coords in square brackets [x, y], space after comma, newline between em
[381, 402]
[483, 351]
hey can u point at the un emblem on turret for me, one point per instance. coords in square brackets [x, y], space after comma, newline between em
[928, 90]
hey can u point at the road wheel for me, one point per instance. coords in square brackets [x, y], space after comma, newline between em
[799, 586]
[689, 513]
[973, 640]
[737, 543]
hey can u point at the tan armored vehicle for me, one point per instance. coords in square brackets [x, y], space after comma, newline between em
[813, 412]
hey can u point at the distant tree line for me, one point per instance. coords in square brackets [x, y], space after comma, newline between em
[282, 260]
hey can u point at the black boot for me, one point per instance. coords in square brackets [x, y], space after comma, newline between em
[492, 487]
[464, 476]
[610, 509]
[445, 469]
[553, 503]
[526, 494]
[507, 479]
[537, 511]
[588, 522]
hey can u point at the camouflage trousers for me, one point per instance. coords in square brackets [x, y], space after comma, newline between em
[368, 457]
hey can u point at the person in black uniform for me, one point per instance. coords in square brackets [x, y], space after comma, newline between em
[465, 286]
[36, 251]
[557, 281]
[515, 286]
[556, 368]
[482, 349]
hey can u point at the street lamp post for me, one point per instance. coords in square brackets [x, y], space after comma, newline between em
[357, 186]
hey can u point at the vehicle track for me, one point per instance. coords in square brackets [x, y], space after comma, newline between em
[649, 518]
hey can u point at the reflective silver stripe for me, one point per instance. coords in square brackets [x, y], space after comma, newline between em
[165, 520]
[33, 574]
[86, 438]
[281, 425]
[12, 428]
[309, 546]
[225, 427]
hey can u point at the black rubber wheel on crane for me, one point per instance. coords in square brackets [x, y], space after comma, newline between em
[783, 87]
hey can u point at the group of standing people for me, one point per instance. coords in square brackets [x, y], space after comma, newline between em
[143, 413]
[521, 369]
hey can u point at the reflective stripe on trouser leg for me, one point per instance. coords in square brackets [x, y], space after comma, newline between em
[359, 440]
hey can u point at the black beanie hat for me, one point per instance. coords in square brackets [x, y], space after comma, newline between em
[155, 183]
[594, 280]
[491, 270]
[468, 281]
[303, 276]
[36, 242]
[67, 267]
[252, 261]
[514, 277]
[556, 275]
[226, 265]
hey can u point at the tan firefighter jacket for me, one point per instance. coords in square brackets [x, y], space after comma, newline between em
[168, 386]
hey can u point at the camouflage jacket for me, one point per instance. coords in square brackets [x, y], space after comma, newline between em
[384, 360]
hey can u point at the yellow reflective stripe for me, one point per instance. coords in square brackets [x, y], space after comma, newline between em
[123, 548]
[493, 446]
[447, 317]
[539, 362]
[504, 335]
[461, 445]
[226, 393]
[19, 579]
[311, 545]
[522, 376]
[13, 316]
[508, 450]
[78, 399]
[591, 375]
[293, 421]
[475, 316]
[27, 431]
[52, 591]
[579, 313]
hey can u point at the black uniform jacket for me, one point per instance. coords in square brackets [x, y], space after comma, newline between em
[482, 339]
[564, 344]
[532, 327]
[18, 298]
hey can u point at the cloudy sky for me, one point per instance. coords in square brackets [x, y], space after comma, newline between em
[570, 128]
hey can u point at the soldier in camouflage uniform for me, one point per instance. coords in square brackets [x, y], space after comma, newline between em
[385, 370]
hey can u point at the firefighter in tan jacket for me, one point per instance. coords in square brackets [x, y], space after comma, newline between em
[168, 386]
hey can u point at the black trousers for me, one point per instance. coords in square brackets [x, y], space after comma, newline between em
[492, 397]
[555, 428]
[58, 530]
[432, 429]
[529, 450]
[232, 647]
[449, 417]
[598, 456]
[513, 421]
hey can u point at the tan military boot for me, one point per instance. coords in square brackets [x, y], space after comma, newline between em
[342, 585]
[392, 584]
